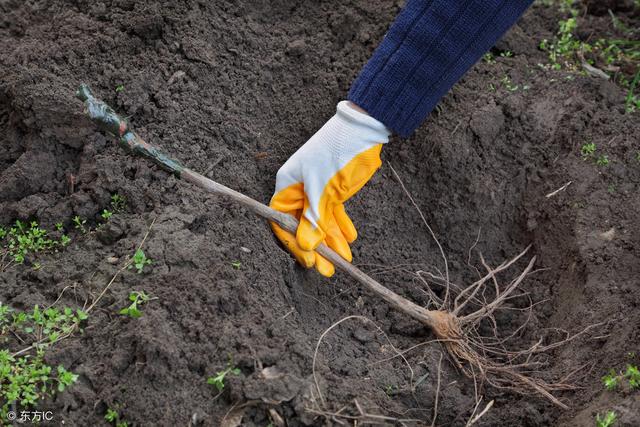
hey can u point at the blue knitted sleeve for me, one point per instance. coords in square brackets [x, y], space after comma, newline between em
[426, 51]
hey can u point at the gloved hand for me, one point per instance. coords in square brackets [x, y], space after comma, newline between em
[323, 174]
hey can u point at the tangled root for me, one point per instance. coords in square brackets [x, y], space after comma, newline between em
[486, 359]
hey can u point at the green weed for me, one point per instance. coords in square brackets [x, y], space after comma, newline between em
[65, 378]
[218, 379]
[489, 58]
[506, 82]
[46, 326]
[5, 321]
[615, 51]
[607, 421]
[80, 224]
[611, 380]
[118, 203]
[23, 239]
[632, 374]
[566, 51]
[618, 24]
[566, 6]
[112, 416]
[137, 298]
[236, 264]
[27, 379]
[119, 88]
[588, 149]
[632, 101]
[565, 46]
[65, 240]
[139, 260]
[106, 215]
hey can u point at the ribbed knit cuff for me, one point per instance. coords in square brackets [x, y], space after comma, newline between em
[429, 47]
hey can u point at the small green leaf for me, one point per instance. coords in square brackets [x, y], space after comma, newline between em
[607, 421]
[217, 381]
[610, 381]
[111, 415]
[633, 375]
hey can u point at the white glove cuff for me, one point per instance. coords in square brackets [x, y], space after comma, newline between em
[366, 126]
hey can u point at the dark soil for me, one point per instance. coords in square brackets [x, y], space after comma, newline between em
[233, 88]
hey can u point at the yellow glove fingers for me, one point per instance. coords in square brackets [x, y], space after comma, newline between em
[344, 222]
[305, 258]
[340, 245]
[308, 235]
[324, 267]
[336, 241]
[289, 199]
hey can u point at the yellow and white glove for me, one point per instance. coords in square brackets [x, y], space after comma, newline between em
[323, 174]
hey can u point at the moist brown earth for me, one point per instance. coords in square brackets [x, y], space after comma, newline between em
[232, 88]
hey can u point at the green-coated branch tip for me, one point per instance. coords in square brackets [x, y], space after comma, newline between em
[83, 93]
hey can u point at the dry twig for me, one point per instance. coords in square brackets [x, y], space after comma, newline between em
[474, 419]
